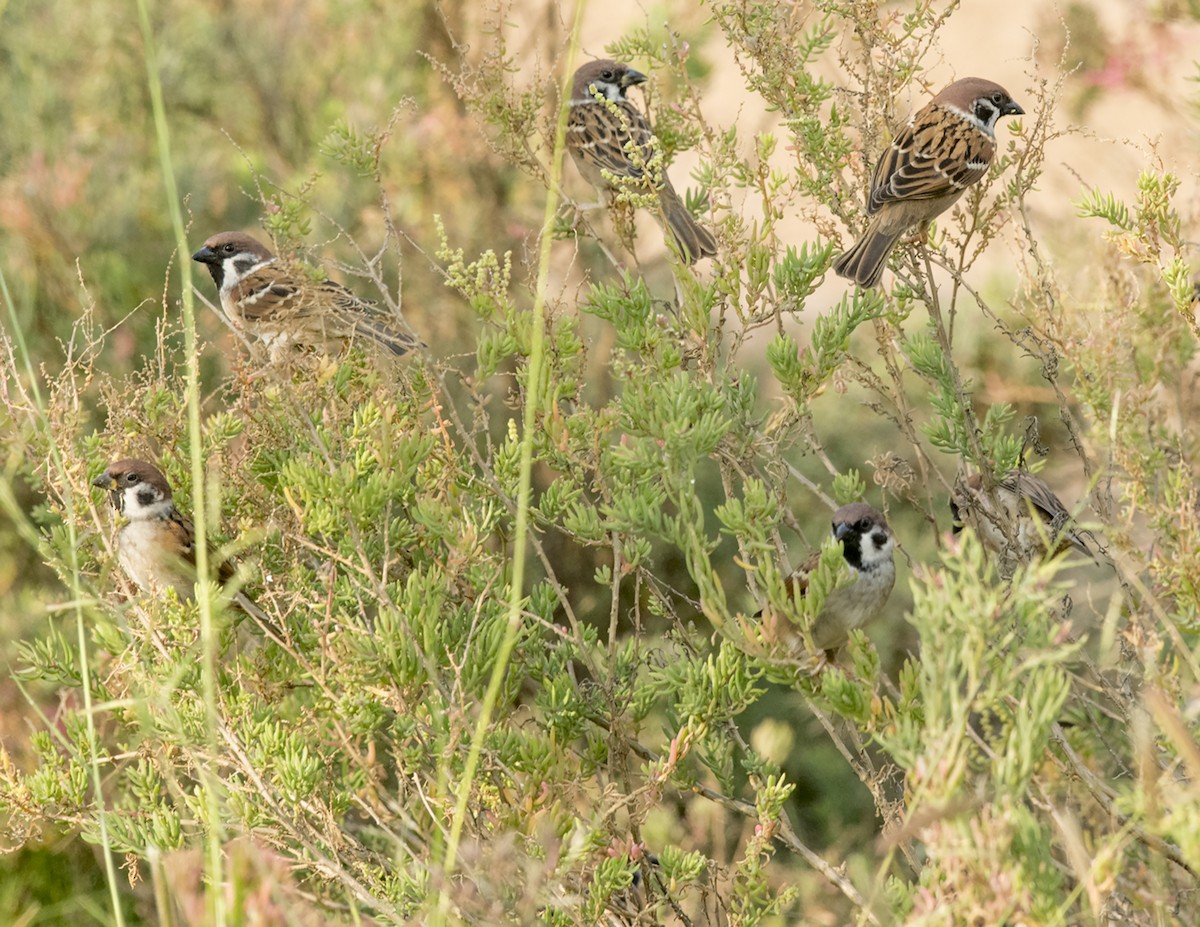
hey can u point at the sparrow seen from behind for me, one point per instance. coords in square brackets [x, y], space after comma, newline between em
[947, 147]
[867, 546]
[282, 306]
[600, 136]
[1018, 519]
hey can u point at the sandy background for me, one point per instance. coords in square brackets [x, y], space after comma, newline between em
[1137, 78]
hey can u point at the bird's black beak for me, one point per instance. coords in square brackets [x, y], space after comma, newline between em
[103, 481]
[840, 531]
[1012, 109]
[632, 78]
[205, 255]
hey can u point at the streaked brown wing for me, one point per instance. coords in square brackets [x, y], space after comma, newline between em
[1048, 506]
[599, 136]
[181, 528]
[1027, 486]
[797, 583]
[928, 160]
[267, 295]
[362, 316]
[184, 536]
[275, 295]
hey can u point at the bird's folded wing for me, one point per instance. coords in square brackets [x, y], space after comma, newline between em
[928, 160]
[600, 135]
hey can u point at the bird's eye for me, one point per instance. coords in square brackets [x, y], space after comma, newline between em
[862, 526]
[227, 248]
[131, 478]
[606, 75]
[997, 98]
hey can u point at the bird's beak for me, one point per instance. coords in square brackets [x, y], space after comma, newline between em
[632, 78]
[103, 481]
[1012, 109]
[841, 531]
[205, 255]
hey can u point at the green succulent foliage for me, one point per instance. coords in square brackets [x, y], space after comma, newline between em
[803, 374]
[1010, 644]
[678, 456]
[848, 487]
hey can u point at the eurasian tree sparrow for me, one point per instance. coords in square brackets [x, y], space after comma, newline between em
[1018, 519]
[867, 546]
[947, 146]
[156, 546]
[600, 137]
[282, 306]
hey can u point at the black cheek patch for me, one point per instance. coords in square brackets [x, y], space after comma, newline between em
[147, 497]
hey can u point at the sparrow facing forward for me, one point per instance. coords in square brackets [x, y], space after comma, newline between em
[156, 547]
[1018, 519]
[597, 138]
[867, 545]
[947, 147]
[282, 306]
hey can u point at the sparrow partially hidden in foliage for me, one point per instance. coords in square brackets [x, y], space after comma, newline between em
[867, 546]
[1017, 519]
[282, 305]
[947, 147]
[602, 138]
[156, 546]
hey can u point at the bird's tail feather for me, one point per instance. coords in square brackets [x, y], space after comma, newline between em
[693, 240]
[399, 343]
[864, 263]
[385, 333]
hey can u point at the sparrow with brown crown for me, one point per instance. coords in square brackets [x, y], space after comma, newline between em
[947, 147]
[156, 546]
[867, 547]
[283, 307]
[599, 132]
[1017, 520]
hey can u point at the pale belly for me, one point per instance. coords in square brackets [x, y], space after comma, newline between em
[147, 563]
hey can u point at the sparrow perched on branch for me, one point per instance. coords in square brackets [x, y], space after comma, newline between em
[1017, 519]
[612, 137]
[867, 546]
[281, 305]
[947, 146]
[156, 546]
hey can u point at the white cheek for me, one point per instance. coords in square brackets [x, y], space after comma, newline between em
[879, 552]
[233, 274]
[130, 501]
[986, 127]
[136, 510]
